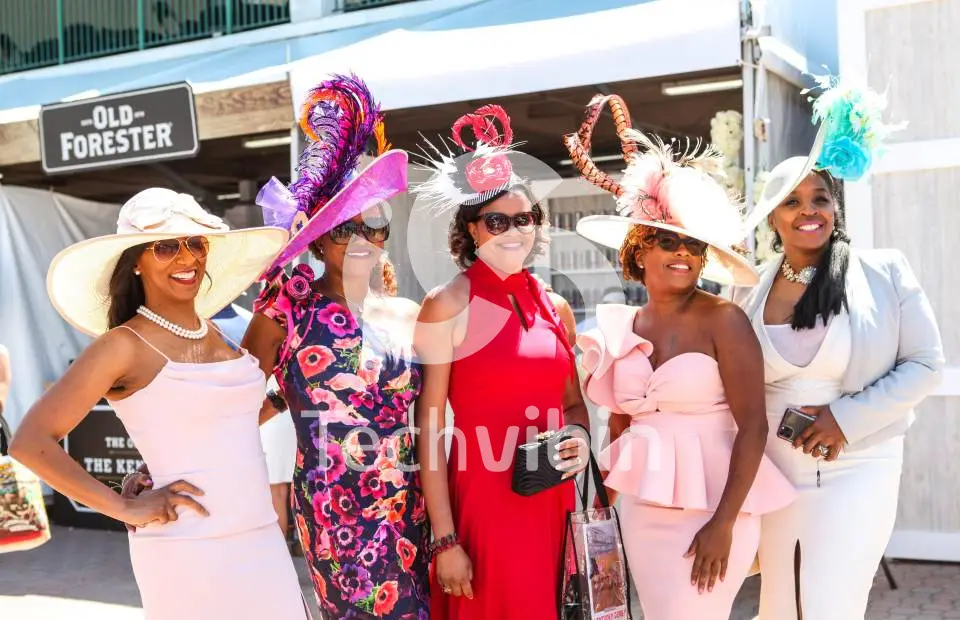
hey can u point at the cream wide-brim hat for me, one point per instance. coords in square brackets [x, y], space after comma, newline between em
[783, 179]
[78, 280]
[724, 265]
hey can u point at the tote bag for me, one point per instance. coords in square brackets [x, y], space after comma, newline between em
[23, 516]
[595, 577]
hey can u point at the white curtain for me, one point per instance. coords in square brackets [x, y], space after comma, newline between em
[34, 226]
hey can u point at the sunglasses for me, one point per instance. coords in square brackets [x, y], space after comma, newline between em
[166, 250]
[671, 242]
[499, 223]
[342, 234]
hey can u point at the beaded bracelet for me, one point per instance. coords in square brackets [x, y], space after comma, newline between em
[443, 544]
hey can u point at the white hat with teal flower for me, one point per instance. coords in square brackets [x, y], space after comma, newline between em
[849, 139]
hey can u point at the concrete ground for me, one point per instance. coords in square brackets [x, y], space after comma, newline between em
[85, 575]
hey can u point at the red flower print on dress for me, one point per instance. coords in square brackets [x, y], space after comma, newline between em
[393, 508]
[387, 595]
[332, 463]
[331, 409]
[314, 360]
[346, 381]
[322, 510]
[347, 540]
[337, 319]
[407, 552]
[303, 531]
[344, 503]
[323, 550]
[419, 507]
[369, 369]
[372, 553]
[369, 397]
[399, 382]
[370, 484]
[347, 343]
[353, 449]
[388, 455]
[389, 417]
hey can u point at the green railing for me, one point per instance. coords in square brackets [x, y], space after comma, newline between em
[40, 33]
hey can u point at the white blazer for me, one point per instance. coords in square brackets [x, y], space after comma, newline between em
[897, 357]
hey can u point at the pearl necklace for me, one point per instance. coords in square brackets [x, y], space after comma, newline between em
[804, 277]
[183, 332]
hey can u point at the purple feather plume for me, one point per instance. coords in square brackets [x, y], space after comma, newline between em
[338, 118]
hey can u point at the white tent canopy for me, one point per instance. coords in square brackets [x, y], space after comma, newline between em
[502, 47]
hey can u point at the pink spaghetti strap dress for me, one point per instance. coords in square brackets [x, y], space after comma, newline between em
[198, 422]
[671, 466]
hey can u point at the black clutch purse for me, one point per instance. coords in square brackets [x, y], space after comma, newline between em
[534, 468]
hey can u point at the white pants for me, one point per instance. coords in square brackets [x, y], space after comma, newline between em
[842, 528]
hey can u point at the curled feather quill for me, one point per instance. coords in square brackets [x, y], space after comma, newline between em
[338, 118]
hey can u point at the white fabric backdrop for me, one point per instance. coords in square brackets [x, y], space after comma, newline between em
[34, 226]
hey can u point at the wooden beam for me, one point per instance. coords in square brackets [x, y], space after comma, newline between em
[19, 143]
[245, 111]
[220, 114]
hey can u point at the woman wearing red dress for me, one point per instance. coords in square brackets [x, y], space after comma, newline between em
[497, 346]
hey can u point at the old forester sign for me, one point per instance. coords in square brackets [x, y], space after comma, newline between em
[148, 125]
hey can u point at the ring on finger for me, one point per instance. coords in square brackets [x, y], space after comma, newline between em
[823, 450]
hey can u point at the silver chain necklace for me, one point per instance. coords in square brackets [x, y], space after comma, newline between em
[183, 332]
[804, 277]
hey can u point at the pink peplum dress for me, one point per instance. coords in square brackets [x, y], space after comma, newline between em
[670, 466]
[199, 423]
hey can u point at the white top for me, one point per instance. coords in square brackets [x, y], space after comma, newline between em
[797, 347]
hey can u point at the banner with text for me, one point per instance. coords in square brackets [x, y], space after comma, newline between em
[149, 125]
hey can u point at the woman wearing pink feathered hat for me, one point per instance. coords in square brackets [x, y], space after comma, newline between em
[682, 377]
[342, 355]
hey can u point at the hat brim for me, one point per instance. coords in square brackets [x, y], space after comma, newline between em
[383, 179]
[78, 280]
[784, 178]
[724, 265]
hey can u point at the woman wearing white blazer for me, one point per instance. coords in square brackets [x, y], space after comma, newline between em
[850, 340]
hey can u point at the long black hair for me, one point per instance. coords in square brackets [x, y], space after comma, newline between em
[126, 289]
[826, 295]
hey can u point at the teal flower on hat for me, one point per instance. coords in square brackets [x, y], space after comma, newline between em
[855, 132]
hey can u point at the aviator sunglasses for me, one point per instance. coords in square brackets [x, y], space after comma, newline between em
[342, 234]
[671, 242]
[166, 250]
[499, 223]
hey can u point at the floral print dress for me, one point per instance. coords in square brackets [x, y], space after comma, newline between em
[357, 497]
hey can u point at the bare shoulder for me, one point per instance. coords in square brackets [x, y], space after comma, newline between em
[447, 301]
[117, 348]
[559, 302]
[724, 315]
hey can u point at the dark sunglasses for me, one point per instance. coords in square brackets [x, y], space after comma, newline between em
[166, 250]
[342, 234]
[671, 242]
[499, 223]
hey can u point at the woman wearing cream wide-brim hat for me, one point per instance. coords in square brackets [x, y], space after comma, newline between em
[78, 280]
[204, 541]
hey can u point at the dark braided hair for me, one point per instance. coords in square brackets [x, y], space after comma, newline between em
[826, 295]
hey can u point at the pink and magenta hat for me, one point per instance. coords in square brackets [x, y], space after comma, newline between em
[338, 118]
